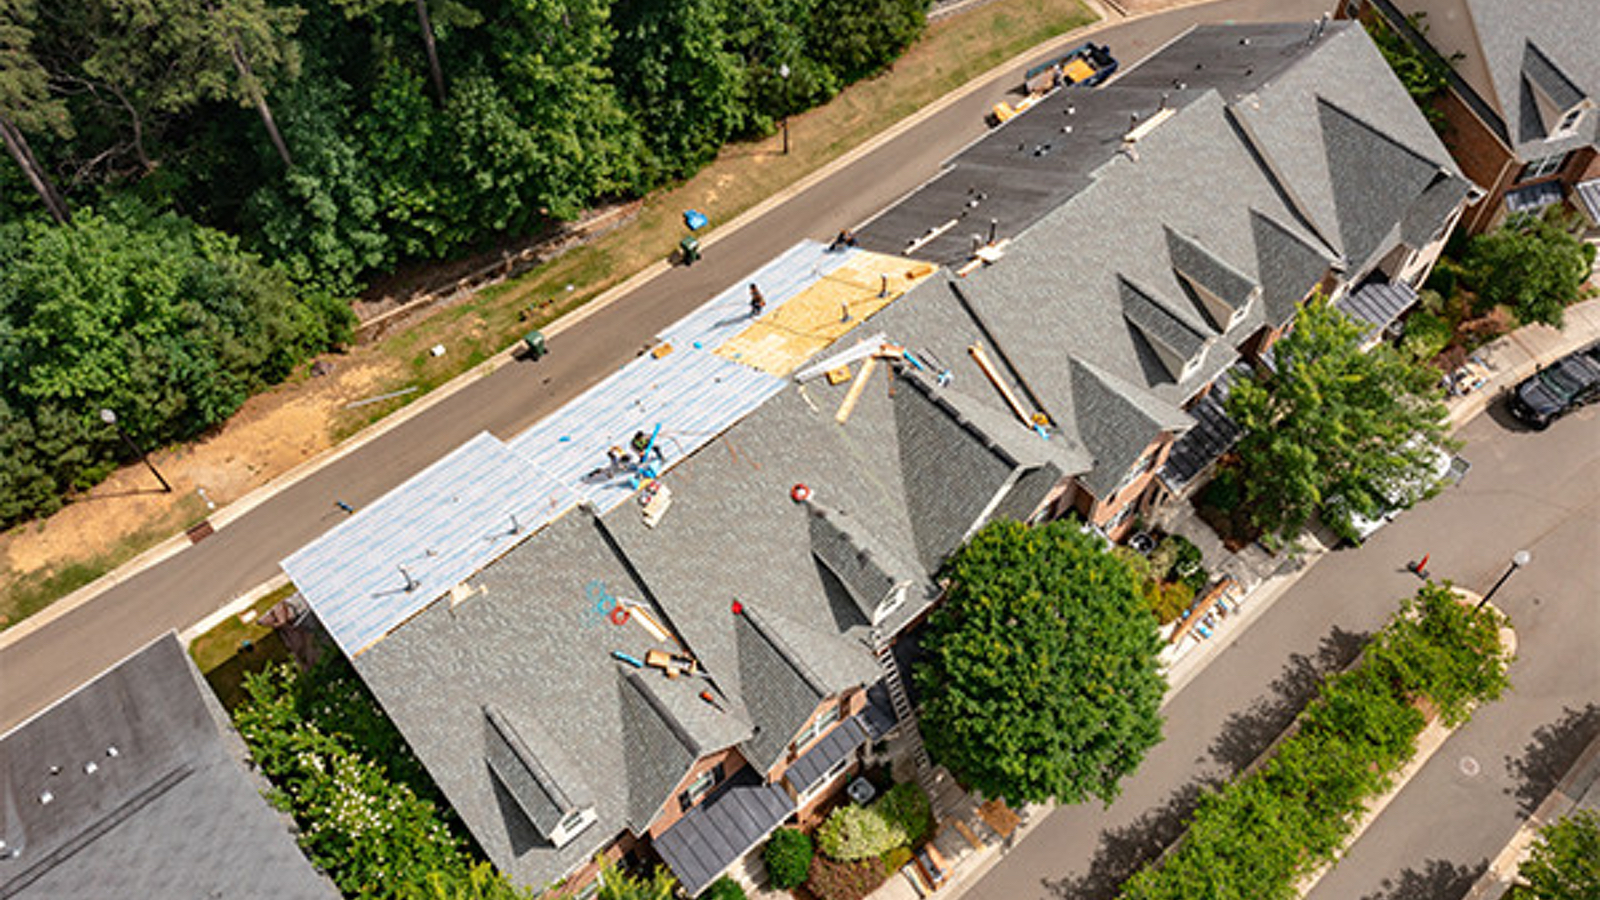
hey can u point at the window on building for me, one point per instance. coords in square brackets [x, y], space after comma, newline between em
[1543, 166]
[700, 787]
[821, 723]
[1136, 471]
[1116, 521]
[1569, 123]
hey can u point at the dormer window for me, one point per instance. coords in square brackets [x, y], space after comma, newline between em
[1568, 123]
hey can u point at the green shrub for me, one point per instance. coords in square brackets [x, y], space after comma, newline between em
[894, 859]
[906, 808]
[1224, 492]
[788, 858]
[1259, 835]
[1168, 601]
[724, 888]
[1443, 650]
[1426, 335]
[833, 880]
[901, 817]
[856, 832]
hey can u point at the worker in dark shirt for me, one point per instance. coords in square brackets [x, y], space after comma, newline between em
[757, 301]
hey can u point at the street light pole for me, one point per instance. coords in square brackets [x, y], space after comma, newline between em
[783, 72]
[110, 418]
[1518, 560]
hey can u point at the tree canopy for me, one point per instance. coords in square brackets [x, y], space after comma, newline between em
[169, 325]
[1334, 429]
[1532, 265]
[1041, 681]
[341, 137]
[243, 165]
[1564, 863]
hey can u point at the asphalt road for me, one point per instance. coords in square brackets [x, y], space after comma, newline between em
[1539, 492]
[185, 588]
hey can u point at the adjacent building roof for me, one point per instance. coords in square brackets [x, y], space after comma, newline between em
[1524, 65]
[133, 786]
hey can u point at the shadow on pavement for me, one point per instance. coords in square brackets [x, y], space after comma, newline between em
[1500, 411]
[1247, 734]
[1437, 880]
[1124, 851]
[1553, 750]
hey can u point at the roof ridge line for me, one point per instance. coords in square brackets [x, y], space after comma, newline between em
[937, 398]
[508, 732]
[1165, 306]
[1380, 134]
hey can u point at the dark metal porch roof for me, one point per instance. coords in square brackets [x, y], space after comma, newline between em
[1212, 435]
[1378, 304]
[713, 835]
[812, 765]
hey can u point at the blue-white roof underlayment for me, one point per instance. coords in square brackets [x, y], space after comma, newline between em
[464, 511]
[692, 394]
[442, 525]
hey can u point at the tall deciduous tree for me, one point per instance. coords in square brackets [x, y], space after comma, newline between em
[1041, 681]
[680, 82]
[455, 14]
[166, 323]
[26, 103]
[1334, 421]
[1565, 861]
[1533, 265]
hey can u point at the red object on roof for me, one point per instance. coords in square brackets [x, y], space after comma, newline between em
[738, 608]
[800, 493]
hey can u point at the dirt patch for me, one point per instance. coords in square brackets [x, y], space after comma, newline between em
[271, 434]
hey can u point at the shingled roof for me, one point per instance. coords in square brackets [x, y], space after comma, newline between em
[133, 786]
[1519, 51]
[534, 643]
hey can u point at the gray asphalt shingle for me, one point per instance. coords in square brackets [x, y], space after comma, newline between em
[132, 786]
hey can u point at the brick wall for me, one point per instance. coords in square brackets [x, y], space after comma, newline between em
[731, 761]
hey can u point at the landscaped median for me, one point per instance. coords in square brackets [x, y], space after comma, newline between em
[1268, 833]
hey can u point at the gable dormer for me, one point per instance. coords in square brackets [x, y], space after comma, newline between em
[874, 582]
[558, 810]
[1224, 293]
[1178, 340]
[1560, 103]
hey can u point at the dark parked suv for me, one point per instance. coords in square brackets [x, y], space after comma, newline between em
[1557, 389]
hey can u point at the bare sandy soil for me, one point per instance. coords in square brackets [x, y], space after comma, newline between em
[271, 434]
